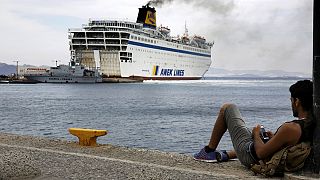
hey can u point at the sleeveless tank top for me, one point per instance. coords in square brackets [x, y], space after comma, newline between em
[305, 136]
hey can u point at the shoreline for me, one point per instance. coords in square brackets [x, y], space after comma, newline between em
[29, 157]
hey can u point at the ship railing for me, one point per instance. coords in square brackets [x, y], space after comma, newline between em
[113, 23]
[112, 19]
[95, 42]
[75, 29]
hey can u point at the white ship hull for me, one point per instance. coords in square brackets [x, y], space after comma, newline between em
[150, 63]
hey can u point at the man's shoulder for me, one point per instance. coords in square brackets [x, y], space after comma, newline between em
[290, 127]
[290, 132]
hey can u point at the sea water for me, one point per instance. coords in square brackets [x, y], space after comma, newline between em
[172, 116]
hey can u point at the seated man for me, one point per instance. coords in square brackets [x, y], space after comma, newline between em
[248, 146]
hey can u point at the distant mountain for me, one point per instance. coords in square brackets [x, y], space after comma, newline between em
[6, 69]
[217, 72]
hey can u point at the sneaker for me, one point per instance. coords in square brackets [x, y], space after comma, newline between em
[206, 157]
[222, 156]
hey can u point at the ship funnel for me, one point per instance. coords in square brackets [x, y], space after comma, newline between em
[147, 16]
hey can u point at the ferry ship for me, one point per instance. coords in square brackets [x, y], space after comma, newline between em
[139, 50]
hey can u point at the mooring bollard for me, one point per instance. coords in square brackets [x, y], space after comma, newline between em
[87, 137]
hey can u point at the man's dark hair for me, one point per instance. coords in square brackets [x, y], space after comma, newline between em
[303, 90]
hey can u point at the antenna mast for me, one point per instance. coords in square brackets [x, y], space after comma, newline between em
[185, 29]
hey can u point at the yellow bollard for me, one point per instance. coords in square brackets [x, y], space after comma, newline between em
[87, 137]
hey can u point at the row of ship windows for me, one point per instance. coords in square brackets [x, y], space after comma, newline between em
[175, 65]
[115, 24]
[144, 39]
[193, 49]
[168, 44]
[126, 61]
[168, 54]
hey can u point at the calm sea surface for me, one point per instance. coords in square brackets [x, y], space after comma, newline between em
[174, 116]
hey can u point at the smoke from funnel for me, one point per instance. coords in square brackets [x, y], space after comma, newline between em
[222, 7]
[158, 3]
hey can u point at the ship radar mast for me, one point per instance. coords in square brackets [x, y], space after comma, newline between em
[185, 29]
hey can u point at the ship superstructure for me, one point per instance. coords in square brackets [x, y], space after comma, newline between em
[139, 49]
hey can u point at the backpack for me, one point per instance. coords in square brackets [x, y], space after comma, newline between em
[289, 159]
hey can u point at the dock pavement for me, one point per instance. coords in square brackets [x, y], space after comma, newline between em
[38, 158]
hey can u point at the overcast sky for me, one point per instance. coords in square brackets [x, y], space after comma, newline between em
[248, 34]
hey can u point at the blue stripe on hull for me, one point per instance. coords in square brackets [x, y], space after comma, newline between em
[167, 49]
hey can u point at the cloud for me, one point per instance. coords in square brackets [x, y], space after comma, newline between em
[29, 41]
[36, 32]
[248, 34]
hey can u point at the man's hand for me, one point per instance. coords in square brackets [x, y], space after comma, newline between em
[270, 134]
[256, 131]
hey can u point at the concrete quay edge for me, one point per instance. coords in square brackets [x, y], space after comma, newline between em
[28, 157]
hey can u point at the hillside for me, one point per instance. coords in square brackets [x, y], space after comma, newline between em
[6, 69]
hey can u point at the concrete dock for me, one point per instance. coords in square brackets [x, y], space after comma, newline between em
[27, 157]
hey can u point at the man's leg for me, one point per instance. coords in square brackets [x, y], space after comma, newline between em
[241, 136]
[208, 153]
[230, 119]
[219, 128]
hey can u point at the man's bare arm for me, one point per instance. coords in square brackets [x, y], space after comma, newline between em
[288, 134]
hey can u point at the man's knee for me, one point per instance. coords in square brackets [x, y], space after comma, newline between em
[231, 113]
[227, 106]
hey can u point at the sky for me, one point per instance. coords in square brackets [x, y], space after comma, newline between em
[247, 34]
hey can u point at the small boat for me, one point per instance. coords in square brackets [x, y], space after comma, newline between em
[66, 74]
